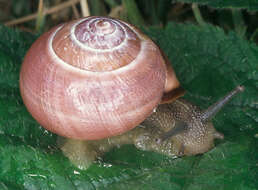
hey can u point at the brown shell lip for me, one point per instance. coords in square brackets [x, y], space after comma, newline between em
[172, 95]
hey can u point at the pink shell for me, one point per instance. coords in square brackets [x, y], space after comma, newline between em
[92, 78]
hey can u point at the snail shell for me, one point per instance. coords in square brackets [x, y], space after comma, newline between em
[93, 78]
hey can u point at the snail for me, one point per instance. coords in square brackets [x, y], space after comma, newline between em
[99, 82]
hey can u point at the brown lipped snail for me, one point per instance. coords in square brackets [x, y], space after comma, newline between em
[94, 80]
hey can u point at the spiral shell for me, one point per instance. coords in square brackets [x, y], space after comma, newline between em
[92, 78]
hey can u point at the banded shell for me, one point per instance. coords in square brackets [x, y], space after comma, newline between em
[92, 78]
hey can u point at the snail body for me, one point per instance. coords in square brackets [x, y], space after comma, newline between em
[94, 80]
[174, 129]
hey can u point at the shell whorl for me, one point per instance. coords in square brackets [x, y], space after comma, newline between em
[85, 87]
[97, 44]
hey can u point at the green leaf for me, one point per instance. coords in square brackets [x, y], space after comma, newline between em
[208, 63]
[251, 5]
[133, 12]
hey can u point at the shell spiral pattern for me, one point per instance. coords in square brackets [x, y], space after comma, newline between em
[92, 78]
[98, 44]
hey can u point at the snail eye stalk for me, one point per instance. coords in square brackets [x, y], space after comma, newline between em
[213, 109]
[180, 126]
